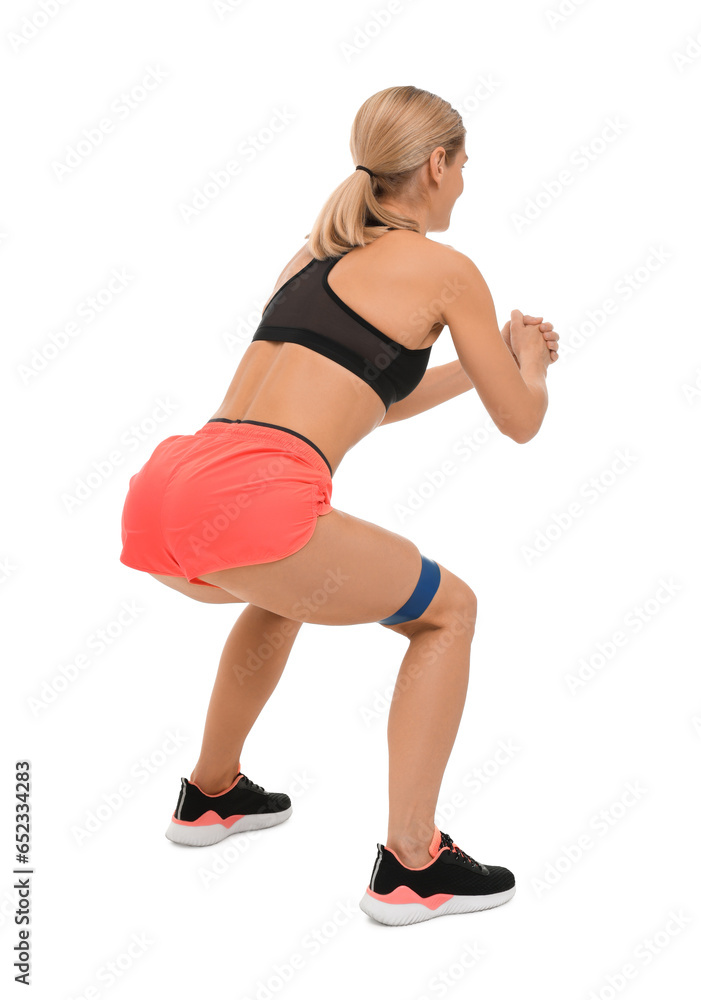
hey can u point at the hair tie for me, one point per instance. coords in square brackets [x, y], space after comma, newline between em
[366, 170]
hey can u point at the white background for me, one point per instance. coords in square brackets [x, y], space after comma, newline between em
[534, 90]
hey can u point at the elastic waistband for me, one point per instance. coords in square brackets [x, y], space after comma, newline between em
[285, 436]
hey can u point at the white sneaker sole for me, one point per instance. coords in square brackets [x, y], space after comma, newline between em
[397, 914]
[204, 836]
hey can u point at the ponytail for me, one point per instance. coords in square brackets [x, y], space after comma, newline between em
[393, 134]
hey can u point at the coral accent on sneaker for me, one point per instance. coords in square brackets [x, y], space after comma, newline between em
[215, 794]
[408, 868]
[433, 847]
[208, 819]
[403, 894]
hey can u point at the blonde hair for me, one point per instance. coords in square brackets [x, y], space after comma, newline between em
[393, 134]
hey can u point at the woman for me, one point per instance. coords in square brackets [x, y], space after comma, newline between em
[240, 511]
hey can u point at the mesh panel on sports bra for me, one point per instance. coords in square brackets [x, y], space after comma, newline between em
[306, 311]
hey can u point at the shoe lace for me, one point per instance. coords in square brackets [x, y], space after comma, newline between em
[447, 841]
[253, 785]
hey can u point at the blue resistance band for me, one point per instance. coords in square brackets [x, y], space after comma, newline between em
[422, 596]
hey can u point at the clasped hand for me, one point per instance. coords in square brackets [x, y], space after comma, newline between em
[551, 338]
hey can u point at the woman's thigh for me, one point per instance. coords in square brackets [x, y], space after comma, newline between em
[350, 572]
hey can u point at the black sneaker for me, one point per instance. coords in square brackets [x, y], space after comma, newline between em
[200, 819]
[452, 883]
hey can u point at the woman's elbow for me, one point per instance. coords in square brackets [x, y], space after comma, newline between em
[524, 432]
[523, 437]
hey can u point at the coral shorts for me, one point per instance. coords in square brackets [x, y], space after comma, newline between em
[234, 493]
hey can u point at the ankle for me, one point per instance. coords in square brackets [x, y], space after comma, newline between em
[213, 784]
[412, 851]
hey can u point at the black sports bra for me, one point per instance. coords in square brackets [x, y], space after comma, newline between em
[306, 310]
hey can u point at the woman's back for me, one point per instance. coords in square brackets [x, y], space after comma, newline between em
[393, 285]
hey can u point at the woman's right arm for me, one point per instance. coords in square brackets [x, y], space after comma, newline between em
[515, 398]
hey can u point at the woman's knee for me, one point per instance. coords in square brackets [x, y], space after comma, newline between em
[453, 606]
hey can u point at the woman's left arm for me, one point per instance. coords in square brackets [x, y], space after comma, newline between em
[439, 384]
[443, 382]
